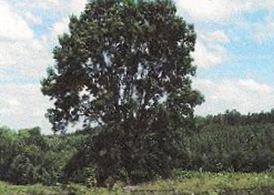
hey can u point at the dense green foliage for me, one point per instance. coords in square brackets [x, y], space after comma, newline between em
[125, 65]
[27, 157]
[219, 147]
[231, 142]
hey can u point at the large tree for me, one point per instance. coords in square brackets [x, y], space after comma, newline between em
[126, 66]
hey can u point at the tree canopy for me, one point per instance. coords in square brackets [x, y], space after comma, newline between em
[120, 61]
[126, 66]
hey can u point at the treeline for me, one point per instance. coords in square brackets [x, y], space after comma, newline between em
[230, 148]
[231, 142]
[234, 117]
[28, 157]
[228, 142]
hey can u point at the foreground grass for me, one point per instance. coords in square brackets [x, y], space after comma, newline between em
[182, 183]
[218, 183]
[38, 189]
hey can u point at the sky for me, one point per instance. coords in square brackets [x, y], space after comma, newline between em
[234, 55]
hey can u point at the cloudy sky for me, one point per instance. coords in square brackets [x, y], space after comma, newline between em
[234, 54]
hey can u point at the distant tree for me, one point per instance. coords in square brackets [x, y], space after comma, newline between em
[125, 65]
[7, 150]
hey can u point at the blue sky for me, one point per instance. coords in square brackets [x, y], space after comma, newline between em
[234, 54]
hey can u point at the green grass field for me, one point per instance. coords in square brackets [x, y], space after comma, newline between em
[183, 183]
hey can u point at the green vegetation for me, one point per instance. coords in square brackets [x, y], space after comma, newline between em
[7, 189]
[218, 147]
[38, 189]
[181, 183]
[210, 183]
[27, 157]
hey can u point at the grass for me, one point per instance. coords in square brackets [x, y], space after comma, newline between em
[38, 189]
[182, 183]
[214, 183]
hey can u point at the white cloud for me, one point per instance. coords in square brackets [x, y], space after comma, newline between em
[243, 95]
[39, 4]
[23, 106]
[210, 50]
[20, 52]
[47, 4]
[60, 27]
[24, 57]
[60, 9]
[12, 25]
[218, 11]
[63, 6]
[77, 6]
[32, 19]
[261, 4]
[251, 85]
[208, 10]
[219, 36]
[205, 57]
[29, 58]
